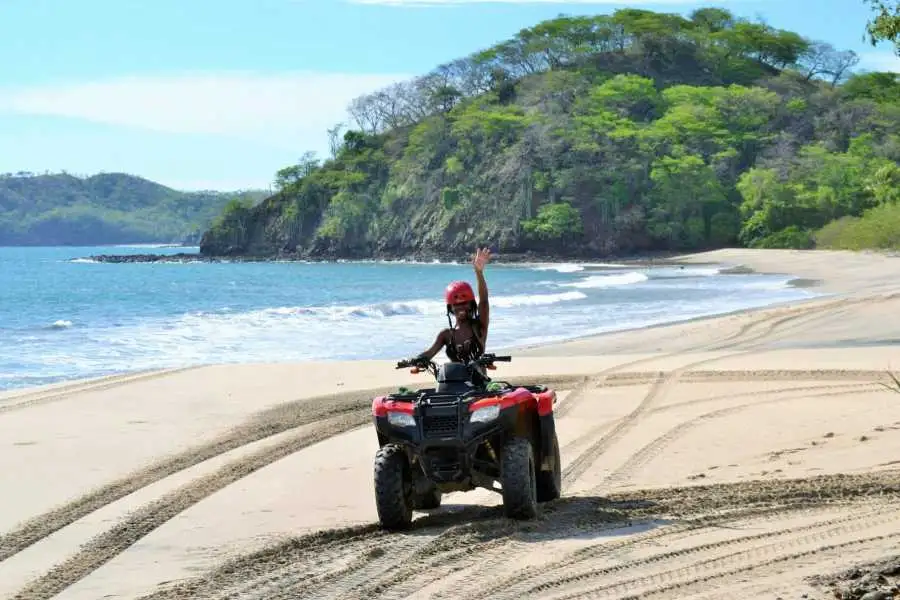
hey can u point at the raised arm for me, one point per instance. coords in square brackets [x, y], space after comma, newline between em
[482, 256]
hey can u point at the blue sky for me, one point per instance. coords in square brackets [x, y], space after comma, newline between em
[220, 94]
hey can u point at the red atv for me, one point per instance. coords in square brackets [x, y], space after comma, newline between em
[466, 433]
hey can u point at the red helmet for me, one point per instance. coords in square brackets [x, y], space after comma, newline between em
[459, 291]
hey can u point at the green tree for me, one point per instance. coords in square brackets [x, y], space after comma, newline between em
[555, 222]
[885, 25]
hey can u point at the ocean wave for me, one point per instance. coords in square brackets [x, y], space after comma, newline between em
[725, 284]
[559, 268]
[768, 285]
[604, 265]
[678, 272]
[391, 309]
[574, 267]
[605, 281]
[60, 324]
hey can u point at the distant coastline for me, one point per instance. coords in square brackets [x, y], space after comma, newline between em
[642, 260]
[499, 257]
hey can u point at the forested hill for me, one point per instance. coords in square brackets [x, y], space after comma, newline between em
[613, 134]
[110, 208]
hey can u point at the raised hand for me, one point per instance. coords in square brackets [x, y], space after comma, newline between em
[482, 256]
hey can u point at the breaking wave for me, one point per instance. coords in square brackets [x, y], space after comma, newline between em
[604, 281]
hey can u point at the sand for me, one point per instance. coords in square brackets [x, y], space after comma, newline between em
[749, 455]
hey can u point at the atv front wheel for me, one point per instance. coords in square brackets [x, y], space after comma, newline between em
[393, 487]
[517, 478]
[549, 483]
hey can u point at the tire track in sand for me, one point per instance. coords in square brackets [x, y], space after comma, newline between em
[634, 378]
[716, 505]
[352, 571]
[872, 545]
[780, 317]
[688, 378]
[27, 399]
[745, 559]
[112, 542]
[439, 550]
[655, 447]
[485, 562]
[332, 562]
[581, 463]
[310, 568]
[487, 547]
[662, 384]
[265, 424]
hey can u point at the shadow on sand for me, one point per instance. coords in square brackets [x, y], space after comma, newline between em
[584, 517]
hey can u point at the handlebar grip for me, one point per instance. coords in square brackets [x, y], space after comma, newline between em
[503, 358]
[411, 362]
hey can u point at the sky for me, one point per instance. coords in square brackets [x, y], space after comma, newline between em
[204, 94]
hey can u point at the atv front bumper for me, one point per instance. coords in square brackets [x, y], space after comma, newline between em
[445, 440]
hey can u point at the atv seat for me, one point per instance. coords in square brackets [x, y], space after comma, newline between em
[457, 388]
[454, 378]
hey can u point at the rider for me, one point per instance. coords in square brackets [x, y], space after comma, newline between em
[468, 339]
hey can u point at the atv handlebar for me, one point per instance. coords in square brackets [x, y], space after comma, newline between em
[491, 358]
[417, 362]
[420, 362]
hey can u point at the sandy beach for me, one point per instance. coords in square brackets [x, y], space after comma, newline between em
[753, 455]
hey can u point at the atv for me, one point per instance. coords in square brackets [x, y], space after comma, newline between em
[469, 432]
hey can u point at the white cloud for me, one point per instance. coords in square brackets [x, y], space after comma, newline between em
[879, 61]
[285, 109]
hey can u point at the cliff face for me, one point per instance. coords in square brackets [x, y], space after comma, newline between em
[633, 132]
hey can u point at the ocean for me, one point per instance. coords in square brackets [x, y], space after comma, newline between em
[63, 317]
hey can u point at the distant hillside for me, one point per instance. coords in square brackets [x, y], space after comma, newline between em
[626, 133]
[109, 208]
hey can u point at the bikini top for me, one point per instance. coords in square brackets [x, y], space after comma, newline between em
[466, 350]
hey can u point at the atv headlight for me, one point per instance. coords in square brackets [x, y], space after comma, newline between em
[400, 419]
[485, 414]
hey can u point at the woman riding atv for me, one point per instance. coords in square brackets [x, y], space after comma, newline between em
[467, 340]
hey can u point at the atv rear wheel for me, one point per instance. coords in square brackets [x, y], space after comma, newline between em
[393, 487]
[549, 483]
[517, 478]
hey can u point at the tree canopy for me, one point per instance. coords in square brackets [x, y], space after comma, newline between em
[108, 208]
[635, 131]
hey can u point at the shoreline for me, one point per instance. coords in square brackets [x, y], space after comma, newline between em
[541, 348]
[727, 267]
[730, 261]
